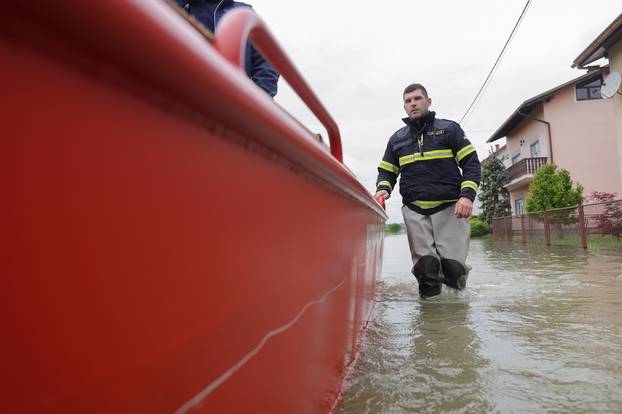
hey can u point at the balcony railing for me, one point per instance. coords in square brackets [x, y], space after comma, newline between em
[525, 166]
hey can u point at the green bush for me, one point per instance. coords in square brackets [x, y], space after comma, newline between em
[552, 188]
[393, 228]
[479, 228]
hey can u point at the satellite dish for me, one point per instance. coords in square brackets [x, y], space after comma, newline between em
[611, 85]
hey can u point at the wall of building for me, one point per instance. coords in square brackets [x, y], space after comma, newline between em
[527, 132]
[615, 64]
[585, 140]
[504, 156]
[519, 193]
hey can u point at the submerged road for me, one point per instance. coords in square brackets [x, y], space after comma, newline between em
[536, 331]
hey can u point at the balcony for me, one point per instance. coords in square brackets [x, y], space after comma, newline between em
[522, 172]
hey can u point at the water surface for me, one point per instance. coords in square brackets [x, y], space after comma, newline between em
[536, 331]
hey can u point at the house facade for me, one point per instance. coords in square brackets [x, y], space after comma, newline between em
[608, 45]
[569, 125]
[500, 152]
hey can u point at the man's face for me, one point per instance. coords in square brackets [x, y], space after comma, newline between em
[416, 104]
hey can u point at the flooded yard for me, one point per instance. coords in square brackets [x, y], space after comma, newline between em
[537, 331]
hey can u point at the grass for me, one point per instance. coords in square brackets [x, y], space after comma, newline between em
[604, 242]
[484, 237]
[594, 242]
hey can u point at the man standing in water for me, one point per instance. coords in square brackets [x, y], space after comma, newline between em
[440, 177]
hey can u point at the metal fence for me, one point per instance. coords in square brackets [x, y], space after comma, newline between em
[597, 225]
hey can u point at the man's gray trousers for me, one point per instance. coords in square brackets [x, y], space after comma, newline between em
[439, 244]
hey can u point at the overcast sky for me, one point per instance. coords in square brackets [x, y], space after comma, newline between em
[358, 57]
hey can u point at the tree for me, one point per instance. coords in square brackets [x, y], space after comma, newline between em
[552, 189]
[609, 221]
[494, 197]
[393, 228]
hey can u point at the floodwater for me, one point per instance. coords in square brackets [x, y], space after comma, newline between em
[536, 331]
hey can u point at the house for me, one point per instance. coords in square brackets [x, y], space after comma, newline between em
[570, 125]
[608, 45]
[500, 152]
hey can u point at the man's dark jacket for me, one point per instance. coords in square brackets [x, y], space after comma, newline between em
[437, 164]
[209, 12]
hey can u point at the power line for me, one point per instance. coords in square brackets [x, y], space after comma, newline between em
[507, 42]
[476, 101]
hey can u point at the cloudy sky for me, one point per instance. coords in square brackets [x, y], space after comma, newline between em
[359, 56]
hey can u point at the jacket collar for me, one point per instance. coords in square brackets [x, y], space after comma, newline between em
[422, 123]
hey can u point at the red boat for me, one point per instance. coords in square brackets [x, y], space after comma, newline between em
[174, 241]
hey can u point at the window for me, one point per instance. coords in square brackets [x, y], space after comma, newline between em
[519, 206]
[535, 149]
[589, 89]
[515, 158]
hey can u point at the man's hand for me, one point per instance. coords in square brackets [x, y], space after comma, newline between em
[464, 208]
[382, 193]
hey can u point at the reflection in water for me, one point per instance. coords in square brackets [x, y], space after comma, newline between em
[446, 358]
[536, 331]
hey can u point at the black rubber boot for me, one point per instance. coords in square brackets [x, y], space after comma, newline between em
[455, 273]
[426, 270]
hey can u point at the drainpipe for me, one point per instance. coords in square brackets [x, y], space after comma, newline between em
[548, 125]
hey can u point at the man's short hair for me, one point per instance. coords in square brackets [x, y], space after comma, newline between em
[415, 86]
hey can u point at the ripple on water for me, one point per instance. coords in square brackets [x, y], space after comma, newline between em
[536, 331]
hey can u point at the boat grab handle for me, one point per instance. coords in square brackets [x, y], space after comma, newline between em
[242, 25]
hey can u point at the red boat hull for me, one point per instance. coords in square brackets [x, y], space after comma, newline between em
[167, 250]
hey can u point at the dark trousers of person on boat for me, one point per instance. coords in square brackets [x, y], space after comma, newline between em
[209, 13]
